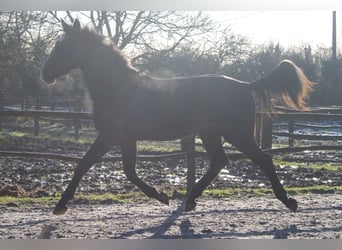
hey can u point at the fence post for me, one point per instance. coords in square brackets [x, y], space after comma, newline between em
[291, 130]
[266, 128]
[257, 132]
[2, 105]
[77, 105]
[36, 119]
[188, 145]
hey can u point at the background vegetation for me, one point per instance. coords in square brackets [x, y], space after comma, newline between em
[163, 44]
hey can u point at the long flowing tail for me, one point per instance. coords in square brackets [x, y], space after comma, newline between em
[286, 82]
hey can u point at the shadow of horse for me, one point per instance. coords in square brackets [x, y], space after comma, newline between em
[187, 229]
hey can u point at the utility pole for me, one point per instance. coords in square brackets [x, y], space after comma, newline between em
[334, 38]
[335, 91]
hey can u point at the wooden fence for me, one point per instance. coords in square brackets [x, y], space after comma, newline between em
[37, 114]
[264, 135]
[188, 144]
[39, 103]
[296, 121]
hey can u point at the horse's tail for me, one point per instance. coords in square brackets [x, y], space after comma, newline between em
[288, 83]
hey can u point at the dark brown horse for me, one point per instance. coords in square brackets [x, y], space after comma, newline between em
[130, 106]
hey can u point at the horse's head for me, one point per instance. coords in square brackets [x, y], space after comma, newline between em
[66, 55]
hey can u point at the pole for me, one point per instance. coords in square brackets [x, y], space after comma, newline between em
[334, 38]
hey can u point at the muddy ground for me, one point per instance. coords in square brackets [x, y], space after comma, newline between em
[319, 215]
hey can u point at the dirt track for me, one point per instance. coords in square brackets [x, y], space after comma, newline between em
[319, 217]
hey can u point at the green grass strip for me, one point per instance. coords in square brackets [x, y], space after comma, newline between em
[308, 165]
[139, 196]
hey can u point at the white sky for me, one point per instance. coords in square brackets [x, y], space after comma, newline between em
[287, 27]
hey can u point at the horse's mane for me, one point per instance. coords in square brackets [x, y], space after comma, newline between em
[91, 37]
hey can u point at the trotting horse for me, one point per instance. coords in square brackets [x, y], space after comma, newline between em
[130, 106]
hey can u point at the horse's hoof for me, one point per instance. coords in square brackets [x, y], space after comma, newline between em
[164, 198]
[60, 210]
[190, 206]
[292, 205]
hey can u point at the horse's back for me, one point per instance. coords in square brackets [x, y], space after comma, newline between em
[202, 86]
[192, 103]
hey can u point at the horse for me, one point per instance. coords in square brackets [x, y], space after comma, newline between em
[129, 106]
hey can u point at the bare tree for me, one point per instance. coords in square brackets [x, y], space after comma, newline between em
[25, 36]
[143, 33]
[215, 52]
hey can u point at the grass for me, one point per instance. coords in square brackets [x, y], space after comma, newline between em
[124, 198]
[314, 189]
[155, 146]
[309, 165]
[6, 137]
[17, 134]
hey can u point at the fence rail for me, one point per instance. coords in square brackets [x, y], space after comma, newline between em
[265, 125]
[264, 135]
[41, 103]
[68, 158]
[53, 114]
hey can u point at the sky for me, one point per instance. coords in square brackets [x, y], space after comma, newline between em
[286, 27]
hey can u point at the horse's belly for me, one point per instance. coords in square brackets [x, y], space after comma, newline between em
[163, 131]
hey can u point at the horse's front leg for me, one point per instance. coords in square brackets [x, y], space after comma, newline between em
[102, 145]
[129, 156]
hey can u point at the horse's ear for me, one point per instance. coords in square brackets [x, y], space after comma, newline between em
[77, 25]
[66, 27]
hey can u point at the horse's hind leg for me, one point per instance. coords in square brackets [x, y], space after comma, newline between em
[129, 156]
[248, 146]
[213, 145]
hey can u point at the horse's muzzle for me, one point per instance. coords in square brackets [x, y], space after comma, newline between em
[46, 77]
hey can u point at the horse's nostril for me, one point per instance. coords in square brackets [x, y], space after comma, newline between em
[49, 80]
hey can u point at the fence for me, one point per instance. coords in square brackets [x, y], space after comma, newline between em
[40, 103]
[264, 134]
[42, 106]
[188, 144]
[296, 121]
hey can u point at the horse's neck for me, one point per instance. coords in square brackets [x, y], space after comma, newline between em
[101, 74]
[106, 79]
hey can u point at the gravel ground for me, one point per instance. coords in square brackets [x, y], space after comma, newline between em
[319, 217]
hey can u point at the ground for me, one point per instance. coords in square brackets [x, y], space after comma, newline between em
[319, 217]
[248, 216]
